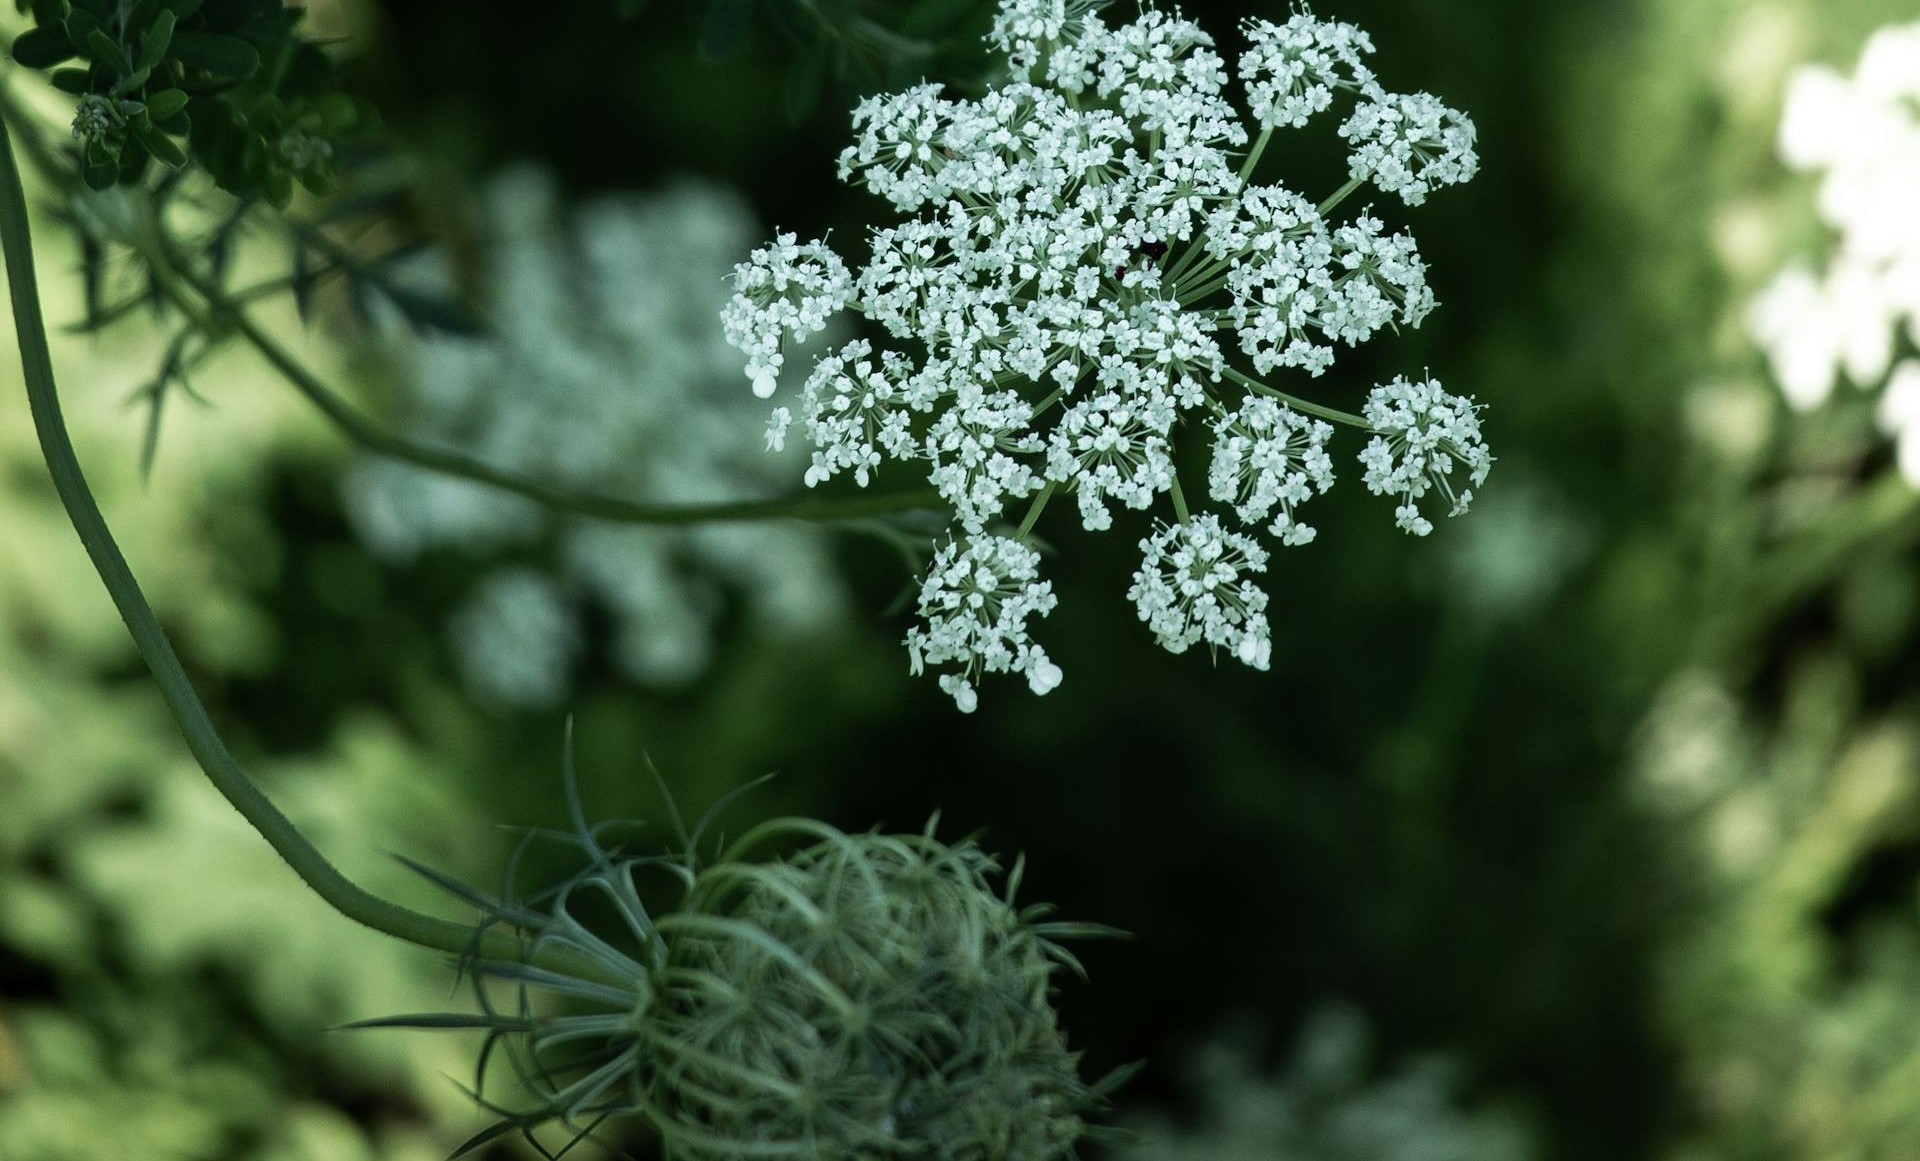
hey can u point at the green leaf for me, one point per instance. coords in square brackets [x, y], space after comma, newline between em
[337, 114]
[725, 26]
[106, 51]
[278, 186]
[183, 8]
[80, 25]
[161, 146]
[41, 48]
[100, 177]
[165, 104]
[153, 46]
[222, 56]
[78, 82]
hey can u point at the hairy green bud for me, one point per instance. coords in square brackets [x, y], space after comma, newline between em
[867, 996]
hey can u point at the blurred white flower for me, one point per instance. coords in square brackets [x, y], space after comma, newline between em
[1862, 135]
[516, 640]
[1899, 415]
[606, 369]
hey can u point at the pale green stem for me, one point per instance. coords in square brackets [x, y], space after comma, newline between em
[1253, 156]
[1340, 195]
[208, 749]
[379, 441]
[1038, 506]
[1179, 500]
[1203, 289]
[1298, 404]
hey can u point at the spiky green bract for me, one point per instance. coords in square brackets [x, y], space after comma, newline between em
[866, 996]
[857, 996]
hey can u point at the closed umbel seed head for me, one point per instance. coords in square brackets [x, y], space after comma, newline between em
[870, 996]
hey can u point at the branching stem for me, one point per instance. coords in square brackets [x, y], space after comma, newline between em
[1297, 403]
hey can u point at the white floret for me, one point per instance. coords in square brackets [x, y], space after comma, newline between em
[1196, 584]
[975, 602]
[1422, 437]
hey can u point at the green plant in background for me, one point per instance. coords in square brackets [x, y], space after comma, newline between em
[255, 102]
[946, 1037]
[1325, 1106]
[1779, 756]
[584, 303]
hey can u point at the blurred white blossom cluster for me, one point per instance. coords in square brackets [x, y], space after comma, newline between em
[1086, 264]
[605, 370]
[1861, 134]
[1326, 1107]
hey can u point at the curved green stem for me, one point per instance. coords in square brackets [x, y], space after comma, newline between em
[1340, 195]
[200, 297]
[1297, 403]
[376, 439]
[202, 738]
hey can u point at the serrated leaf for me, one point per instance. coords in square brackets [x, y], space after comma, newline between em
[222, 56]
[153, 46]
[40, 48]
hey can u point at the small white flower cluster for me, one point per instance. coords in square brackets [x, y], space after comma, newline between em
[975, 604]
[1085, 264]
[605, 370]
[1862, 134]
[1422, 435]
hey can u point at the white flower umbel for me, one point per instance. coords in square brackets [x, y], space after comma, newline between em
[605, 369]
[974, 606]
[1195, 583]
[1266, 457]
[1087, 257]
[1819, 324]
[1410, 144]
[1292, 70]
[1423, 436]
[785, 294]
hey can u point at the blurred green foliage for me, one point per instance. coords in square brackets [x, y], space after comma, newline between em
[1609, 792]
